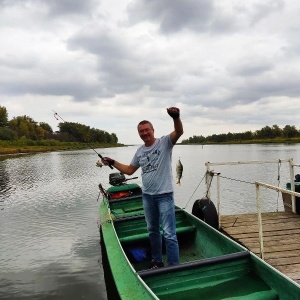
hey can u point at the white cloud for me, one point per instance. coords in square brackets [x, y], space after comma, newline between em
[229, 65]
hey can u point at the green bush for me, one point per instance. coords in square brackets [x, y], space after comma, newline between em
[6, 134]
[50, 142]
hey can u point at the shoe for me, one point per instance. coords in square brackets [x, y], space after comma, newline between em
[156, 264]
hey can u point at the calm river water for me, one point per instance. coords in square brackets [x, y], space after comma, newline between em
[49, 236]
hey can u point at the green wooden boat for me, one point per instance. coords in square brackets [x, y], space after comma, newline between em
[212, 266]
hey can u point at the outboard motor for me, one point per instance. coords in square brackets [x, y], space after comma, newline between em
[116, 179]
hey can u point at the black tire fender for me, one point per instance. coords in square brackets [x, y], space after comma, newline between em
[205, 210]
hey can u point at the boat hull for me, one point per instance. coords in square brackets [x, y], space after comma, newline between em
[212, 266]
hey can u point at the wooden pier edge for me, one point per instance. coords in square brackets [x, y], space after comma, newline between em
[281, 238]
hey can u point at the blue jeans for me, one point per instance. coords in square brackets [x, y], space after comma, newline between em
[160, 210]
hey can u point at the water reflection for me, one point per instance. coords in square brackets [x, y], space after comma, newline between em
[4, 184]
[49, 236]
[53, 281]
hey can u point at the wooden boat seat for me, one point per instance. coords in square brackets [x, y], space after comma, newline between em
[144, 236]
[125, 219]
[195, 264]
[125, 199]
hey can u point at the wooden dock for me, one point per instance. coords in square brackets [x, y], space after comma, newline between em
[281, 238]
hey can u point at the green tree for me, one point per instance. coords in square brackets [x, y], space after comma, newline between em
[18, 125]
[39, 132]
[80, 132]
[194, 140]
[277, 131]
[85, 134]
[25, 126]
[6, 134]
[3, 116]
[290, 131]
[98, 136]
[46, 127]
[114, 138]
[107, 137]
[265, 133]
[23, 130]
[248, 135]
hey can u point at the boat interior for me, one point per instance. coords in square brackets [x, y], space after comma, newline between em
[210, 263]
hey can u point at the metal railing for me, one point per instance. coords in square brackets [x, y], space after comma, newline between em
[257, 185]
[258, 202]
[289, 161]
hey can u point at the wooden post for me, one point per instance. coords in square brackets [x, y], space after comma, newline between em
[207, 178]
[218, 199]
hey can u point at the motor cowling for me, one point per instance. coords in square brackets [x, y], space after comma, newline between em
[116, 179]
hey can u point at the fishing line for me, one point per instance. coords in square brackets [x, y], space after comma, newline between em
[57, 117]
[209, 185]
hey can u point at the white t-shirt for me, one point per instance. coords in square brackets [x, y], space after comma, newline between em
[156, 165]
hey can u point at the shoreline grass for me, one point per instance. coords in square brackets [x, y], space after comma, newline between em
[27, 147]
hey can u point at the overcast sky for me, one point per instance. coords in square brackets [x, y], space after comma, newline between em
[230, 65]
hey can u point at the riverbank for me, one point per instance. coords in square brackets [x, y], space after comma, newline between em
[239, 142]
[25, 149]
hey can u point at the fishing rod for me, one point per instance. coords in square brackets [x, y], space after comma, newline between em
[57, 117]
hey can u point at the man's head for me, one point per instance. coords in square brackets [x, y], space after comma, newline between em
[146, 132]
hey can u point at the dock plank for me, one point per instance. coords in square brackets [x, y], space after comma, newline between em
[281, 238]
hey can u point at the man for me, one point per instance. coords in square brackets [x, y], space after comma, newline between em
[155, 160]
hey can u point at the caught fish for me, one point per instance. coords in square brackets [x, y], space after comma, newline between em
[179, 170]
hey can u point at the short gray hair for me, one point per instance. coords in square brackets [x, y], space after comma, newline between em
[145, 122]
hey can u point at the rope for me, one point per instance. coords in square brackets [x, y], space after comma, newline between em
[211, 178]
[225, 177]
[107, 220]
[238, 180]
[278, 180]
[103, 191]
[98, 196]
[194, 192]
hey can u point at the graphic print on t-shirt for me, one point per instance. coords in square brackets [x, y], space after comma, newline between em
[148, 161]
